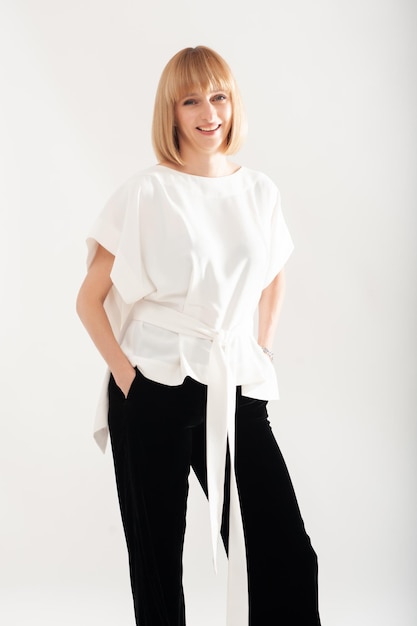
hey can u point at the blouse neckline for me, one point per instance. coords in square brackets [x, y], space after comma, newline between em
[234, 174]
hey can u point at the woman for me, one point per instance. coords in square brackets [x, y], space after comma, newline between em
[182, 259]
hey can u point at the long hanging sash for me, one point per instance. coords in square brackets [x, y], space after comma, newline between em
[221, 407]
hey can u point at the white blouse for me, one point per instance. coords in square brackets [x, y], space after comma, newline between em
[192, 256]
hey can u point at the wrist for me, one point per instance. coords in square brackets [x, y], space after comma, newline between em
[268, 352]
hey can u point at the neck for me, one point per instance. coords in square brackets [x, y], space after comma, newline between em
[210, 166]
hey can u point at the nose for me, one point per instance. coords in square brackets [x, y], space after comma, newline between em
[208, 111]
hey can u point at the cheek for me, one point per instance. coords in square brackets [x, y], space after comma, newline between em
[182, 120]
[228, 114]
[178, 117]
[229, 123]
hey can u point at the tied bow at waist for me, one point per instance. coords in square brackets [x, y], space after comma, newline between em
[221, 408]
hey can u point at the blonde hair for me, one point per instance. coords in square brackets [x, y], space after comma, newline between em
[189, 69]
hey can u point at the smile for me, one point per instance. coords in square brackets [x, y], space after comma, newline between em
[208, 130]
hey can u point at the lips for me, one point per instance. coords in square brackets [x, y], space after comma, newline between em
[208, 130]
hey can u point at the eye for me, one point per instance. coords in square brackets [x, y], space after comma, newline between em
[189, 101]
[220, 97]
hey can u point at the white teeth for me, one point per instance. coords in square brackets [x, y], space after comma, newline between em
[208, 130]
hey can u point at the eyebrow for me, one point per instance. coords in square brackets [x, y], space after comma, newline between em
[196, 95]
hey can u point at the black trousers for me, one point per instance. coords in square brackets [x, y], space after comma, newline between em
[157, 434]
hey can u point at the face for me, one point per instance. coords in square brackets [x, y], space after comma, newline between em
[203, 121]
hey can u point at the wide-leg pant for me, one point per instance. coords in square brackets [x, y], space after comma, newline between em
[157, 434]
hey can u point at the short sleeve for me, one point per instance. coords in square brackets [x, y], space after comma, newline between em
[280, 242]
[117, 229]
[108, 226]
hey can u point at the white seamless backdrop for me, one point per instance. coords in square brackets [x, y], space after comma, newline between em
[331, 99]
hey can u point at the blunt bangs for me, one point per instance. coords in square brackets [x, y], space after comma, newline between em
[198, 68]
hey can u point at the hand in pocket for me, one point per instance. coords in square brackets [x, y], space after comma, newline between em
[125, 380]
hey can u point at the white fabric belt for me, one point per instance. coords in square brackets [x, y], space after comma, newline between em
[221, 407]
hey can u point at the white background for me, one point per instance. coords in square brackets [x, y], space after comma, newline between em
[330, 92]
